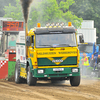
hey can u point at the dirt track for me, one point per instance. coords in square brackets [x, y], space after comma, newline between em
[88, 90]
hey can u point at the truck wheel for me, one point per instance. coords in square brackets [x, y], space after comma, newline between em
[75, 80]
[30, 80]
[17, 72]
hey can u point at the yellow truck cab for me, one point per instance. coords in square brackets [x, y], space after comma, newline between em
[52, 54]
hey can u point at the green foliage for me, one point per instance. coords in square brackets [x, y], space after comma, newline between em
[13, 11]
[65, 5]
[50, 12]
[5, 3]
[53, 13]
[88, 10]
[68, 16]
[46, 11]
[45, 14]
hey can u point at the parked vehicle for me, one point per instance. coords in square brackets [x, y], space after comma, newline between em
[89, 49]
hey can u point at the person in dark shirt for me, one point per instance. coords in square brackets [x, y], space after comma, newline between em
[93, 62]
[98, 62]
[98, 59]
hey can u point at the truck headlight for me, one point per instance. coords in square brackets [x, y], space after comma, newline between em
[40, 71]
[74, 69]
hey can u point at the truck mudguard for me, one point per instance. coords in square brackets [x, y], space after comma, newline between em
[30, 64]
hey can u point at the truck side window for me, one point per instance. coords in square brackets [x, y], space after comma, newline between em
[32, 40]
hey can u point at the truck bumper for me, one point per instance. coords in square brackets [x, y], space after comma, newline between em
[55, 72]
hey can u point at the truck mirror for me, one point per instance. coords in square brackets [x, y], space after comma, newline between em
[28, 43]
[81, 39]
[32, 45]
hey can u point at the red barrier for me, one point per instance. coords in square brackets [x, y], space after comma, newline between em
[12, 56]
[3, 69]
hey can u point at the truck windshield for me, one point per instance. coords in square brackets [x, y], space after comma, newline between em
[55, 40]
[86, 48]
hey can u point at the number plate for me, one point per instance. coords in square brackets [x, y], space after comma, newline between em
[58, 69]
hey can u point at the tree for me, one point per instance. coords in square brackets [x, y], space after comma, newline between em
[45, 11]
[88, 10]
[5, 3]
[58, 1]
[46, 14]
[54, 13]
[64, 6]
[67, 14]
[13, 11]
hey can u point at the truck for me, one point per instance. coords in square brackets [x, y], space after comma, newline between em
[89, 45]
[45, 54]
[9, 31]
[89, 33]
[89, 48]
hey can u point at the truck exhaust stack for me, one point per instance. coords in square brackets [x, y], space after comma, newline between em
[25, 7]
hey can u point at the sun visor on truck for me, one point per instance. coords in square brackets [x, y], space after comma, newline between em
[55, 30]
[41, 30]
[69, 30]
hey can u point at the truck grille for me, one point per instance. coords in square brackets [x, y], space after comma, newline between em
[55, 61]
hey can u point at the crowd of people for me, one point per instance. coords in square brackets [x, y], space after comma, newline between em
[84, 63]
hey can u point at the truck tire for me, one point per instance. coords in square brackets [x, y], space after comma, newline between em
[17, 72]
[30, 80]
[75, 80]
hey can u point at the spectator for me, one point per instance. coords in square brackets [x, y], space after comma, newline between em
[93, 62]
[12, 42]
[98, 61]
[85, 64]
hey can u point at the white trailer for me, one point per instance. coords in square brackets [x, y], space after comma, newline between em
[20, 47]
[88, 31]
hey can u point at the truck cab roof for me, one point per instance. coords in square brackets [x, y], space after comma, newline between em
[45, 30]
[55, 29]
